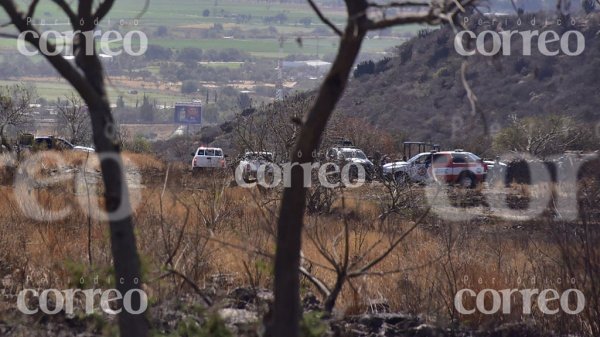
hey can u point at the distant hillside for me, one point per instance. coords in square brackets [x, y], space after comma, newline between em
[418, 94]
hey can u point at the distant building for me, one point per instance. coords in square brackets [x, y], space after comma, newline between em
[321, 66]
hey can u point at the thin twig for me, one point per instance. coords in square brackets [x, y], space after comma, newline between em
[324, 19]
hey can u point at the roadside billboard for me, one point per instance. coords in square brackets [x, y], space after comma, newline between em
[188, 113]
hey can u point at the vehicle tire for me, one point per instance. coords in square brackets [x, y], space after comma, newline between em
[353, 174]
[269, 177]
[467, 180]
[401, 178]
[331, 176]
[196, 171]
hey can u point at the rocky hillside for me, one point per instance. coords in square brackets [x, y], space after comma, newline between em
[419, 93]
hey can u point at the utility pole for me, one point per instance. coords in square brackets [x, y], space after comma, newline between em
[279, 85]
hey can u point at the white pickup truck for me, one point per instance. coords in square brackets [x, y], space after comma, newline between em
[208, 157]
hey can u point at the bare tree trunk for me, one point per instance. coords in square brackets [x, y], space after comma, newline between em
[335, 292]
[3, 140]
[122, 237]
[123, 244]
[286, 308]
[87, 77]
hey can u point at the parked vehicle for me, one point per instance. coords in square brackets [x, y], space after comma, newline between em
[51, 143]
[419, 147]
[208, 157]
[251, 161]
[496, 170]
[346, 154]
[454, 167]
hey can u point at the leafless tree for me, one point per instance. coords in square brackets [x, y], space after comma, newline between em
[363, 16]
[541, 136]
[518, 9]
[86, 75]
[73, 114]
[14, 106]
[269, 129]
[350, 256]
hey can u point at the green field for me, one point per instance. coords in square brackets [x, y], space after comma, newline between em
[187, 14]
[270, 48]
[168, 13]
[186, 24]
[60, 88]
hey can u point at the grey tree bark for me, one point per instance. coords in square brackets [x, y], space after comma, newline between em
[286, 310]
[87, 77]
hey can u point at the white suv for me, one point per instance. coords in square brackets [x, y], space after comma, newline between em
[251, 162]
[350, 154]
[208, 157]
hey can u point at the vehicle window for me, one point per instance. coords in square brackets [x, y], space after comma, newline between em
[218, 153]
[201, 152]
[262, 156]
[440, 158]
[43, 143]
[354, 154]
[421, 159]
[210, 152]
[474, 158]
[360, 155]
[62, 144]
[459, 158]
[415, 159]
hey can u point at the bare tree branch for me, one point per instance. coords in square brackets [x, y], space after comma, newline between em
[473, 98]
[390, 249]
[191, 283]
[286, 308]
[404, 19]
[87, 77]
[32, 8]
[9, 36]
[103, 9]
[67, 10]
[323, 18]
[325, 292]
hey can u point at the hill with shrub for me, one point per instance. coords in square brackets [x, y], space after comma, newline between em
[418, 93]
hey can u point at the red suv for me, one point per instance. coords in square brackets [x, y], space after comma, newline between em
[456, 166]
[463, 168]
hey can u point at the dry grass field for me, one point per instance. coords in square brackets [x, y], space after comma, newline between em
[203, 233]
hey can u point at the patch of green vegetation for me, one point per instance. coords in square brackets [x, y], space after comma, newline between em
[190, 327]
[312, 325]
[443, 71]
[84, 276]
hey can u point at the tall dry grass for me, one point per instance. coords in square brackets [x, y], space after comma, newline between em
[201, 233]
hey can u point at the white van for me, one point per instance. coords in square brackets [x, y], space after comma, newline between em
[208, 157]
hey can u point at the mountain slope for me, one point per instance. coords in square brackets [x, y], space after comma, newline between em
[420, 93]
